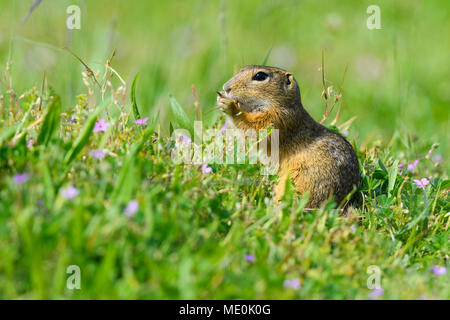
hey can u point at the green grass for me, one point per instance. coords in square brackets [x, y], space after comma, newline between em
[192, 230]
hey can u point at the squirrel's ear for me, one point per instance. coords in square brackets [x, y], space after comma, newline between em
[290, 82]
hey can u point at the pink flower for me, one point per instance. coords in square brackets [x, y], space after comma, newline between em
[185, 139]
[249, 258]
[437, 158]
[101, 125]
[422, 182]
[30, 143]
[141, 121]
[21, 178]
[131, 208]
[376, 293]
[206, 169]
[225, 125]
[69, 192]
[97, 154]
[413, 166]
[438, 271]
[292, 284]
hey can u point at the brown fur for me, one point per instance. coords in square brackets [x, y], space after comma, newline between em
[318, 160]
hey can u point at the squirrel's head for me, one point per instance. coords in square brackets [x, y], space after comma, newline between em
[257, 88]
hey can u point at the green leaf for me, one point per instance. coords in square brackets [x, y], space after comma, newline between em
[170, 128]
[445, 185]
[83, 137]
[133, 98]
[393, 175]
[127, 175]
[125, 181]
[48, 183]
[51, 121]
[180, 116]
[379, 174]
[152, 125]
[7, 134]
[263, 63]
[380, 163]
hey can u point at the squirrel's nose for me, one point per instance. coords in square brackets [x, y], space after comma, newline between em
[227, 88]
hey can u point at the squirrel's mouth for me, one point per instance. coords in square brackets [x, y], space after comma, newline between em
[250, 104]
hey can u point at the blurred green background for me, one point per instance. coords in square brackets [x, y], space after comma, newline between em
[397, 81]
[192, 230]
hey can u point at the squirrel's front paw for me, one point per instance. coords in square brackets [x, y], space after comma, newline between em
[227, 105]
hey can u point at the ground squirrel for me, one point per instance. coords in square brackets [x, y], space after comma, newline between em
[318, 160]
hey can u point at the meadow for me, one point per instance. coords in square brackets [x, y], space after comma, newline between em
[87, 178]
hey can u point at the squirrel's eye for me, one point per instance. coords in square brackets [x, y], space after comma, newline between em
[260, 76]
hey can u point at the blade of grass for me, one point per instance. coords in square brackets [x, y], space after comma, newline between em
[127, 174]
[33, 6]
[180, 116]
[51, 121]
[88, 69]
[83, 137]
[393, 175]
[133, 98]
[7, 133]
[266, 57]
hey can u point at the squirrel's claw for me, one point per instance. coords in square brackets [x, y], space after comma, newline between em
[227, 105]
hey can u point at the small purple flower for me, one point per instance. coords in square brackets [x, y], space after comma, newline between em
[131, 208]
[97, 154]
[21, 178]
[292, 284]
[30, 143]
[438, 271]
[437, 158]
[73, 118]
[141, 121]
[101, 125]
[376, 293]
[70, 192]
[421, 183]
[249, 258]
[206, 169]
[224, 127]
[345, 133]
[413, 166]
[185, 139]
